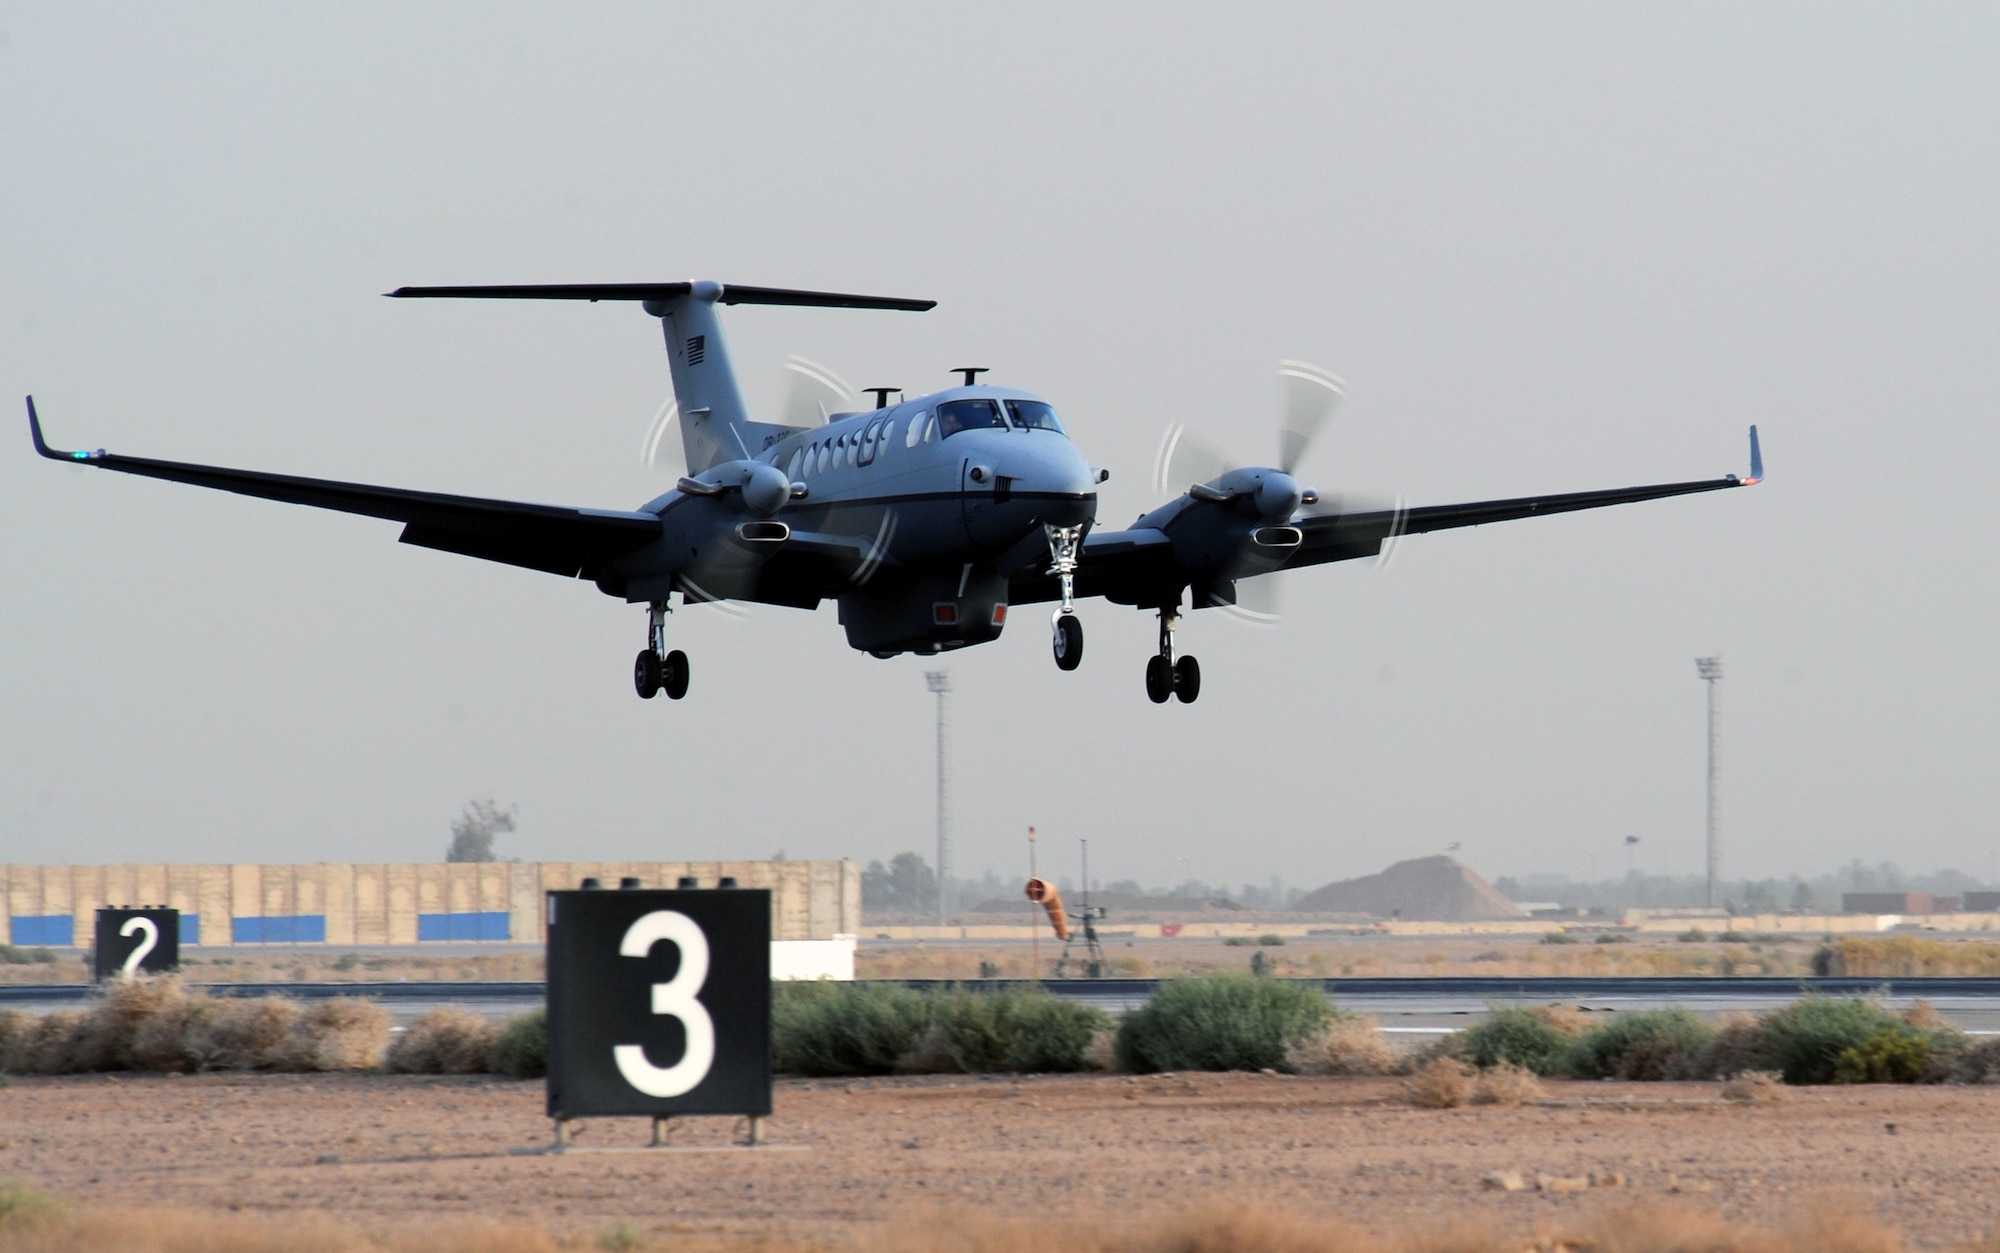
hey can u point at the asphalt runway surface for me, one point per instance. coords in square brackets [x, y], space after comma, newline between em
[1414, 1005]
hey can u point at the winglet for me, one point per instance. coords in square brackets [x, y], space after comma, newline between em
[1756, 459]
[42, 445]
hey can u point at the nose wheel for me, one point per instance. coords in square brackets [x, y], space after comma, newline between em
[1068, 643]
[1064, 544]
[656, 670]
[1167, 677]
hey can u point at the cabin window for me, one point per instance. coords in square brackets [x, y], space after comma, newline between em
[968, 415]
[793, 466]
[916, 430]
[1034, 415]
[825, 455]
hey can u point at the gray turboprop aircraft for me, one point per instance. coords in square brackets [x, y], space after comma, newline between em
[924, 520]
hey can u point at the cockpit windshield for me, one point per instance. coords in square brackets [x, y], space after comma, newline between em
[968, 415]
[1035, 416]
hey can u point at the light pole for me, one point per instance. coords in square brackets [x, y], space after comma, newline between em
[1710, 669]
[939, 682]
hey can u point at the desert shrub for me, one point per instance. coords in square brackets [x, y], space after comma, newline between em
[23, 1209]
[860, 1028]
[252, 1034]
[1025, 1030]
[10, 955]
[1650, 1044]
[1755, 1087]
[1348, 1045]
[1734, 937]
[876, 1028]
[106, 1035]
[44, 1046]
[1558, 937]
[1693, 935]
[1978, 1062]
[1220, 1022]
[1895, 1054]
[1271, 941]
[1505, 1085]
[1902, 956]
[1444, 1083]
[1804, 1040]
[13, 1025]
[448, 1041]
[1613, 937]
[1532, 1038]
[339, 1033]
[522, 1047]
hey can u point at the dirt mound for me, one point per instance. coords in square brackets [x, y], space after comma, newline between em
[1424, 888]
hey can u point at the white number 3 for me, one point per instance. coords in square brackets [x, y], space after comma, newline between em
[674, 998]
[134, 926]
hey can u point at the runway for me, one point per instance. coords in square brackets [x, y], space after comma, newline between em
[1426, 1005]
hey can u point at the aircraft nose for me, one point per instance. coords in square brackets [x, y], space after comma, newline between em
[1058, 476]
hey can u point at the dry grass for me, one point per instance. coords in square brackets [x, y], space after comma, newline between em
[448, 1041]
[156, 1024]
[1903, 956]
[40, 1226]
[1506, 1085]
[1348, 1046]
[1755, 1087]
[1444, 1083]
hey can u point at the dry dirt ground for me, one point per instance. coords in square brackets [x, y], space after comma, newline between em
[384, 1151]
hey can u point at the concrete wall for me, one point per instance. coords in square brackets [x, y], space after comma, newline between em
[338, 903]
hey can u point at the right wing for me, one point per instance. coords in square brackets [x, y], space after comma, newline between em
[553, 538]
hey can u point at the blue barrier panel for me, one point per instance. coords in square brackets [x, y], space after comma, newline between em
[279, 929]
[190, 928]
[48, 931]
[485, 925]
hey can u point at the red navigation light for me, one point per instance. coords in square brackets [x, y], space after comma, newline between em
[944, 613]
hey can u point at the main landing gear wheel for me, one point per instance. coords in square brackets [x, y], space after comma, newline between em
[1068, 641]
[674, 676]
[1187, 680]
[1159, 680]
[646, 674]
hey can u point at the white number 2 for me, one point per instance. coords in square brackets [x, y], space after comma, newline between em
[134, 926]
[674, 998]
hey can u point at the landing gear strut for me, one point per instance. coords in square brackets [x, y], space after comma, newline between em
[1166, 676]
[656, 670]
[1064, 541]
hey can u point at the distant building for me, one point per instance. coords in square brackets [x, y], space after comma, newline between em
[1897, 903]
[1982, 902]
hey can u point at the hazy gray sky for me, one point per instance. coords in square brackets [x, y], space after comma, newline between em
[1550, 247]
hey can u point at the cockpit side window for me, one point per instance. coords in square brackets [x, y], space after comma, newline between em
[1034, 415]
[968, 415]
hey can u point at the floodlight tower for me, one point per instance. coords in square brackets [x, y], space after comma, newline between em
[940, 685]
[1710, 669]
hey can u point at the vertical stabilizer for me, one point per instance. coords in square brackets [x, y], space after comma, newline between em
[715, 427]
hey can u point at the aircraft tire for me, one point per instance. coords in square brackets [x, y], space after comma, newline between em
[1187, 680]
[646, 674]
[1068, 641]
[1159, 680]
[674, 676]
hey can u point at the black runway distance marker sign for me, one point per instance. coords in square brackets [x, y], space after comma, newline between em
[659, 1003]
[137, 941]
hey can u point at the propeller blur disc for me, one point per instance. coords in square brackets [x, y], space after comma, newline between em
[1308, 399]
[661, 450]
[812, 392]
[1185, 459]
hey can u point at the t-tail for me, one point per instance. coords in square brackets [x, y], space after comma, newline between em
[715, 426]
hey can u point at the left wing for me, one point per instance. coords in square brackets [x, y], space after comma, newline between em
[553, 538]
[1138, 567]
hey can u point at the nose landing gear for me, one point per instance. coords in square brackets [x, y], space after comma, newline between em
[1064, 541]
[656, 670]
[1166, 676]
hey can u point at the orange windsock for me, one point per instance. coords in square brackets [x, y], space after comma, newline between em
[1044, 893]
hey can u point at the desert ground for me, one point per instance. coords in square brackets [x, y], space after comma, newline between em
[382, 1152]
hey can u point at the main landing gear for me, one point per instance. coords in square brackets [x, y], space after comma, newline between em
[656, 670]
[1167, 677]
[1064, 541]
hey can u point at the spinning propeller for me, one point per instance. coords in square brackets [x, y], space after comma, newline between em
[1308, 400]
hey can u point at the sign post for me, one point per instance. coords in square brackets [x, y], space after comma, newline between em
[137, 941]
[659, 1005]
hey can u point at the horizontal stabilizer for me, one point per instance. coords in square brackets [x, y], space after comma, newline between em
[726, 293]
